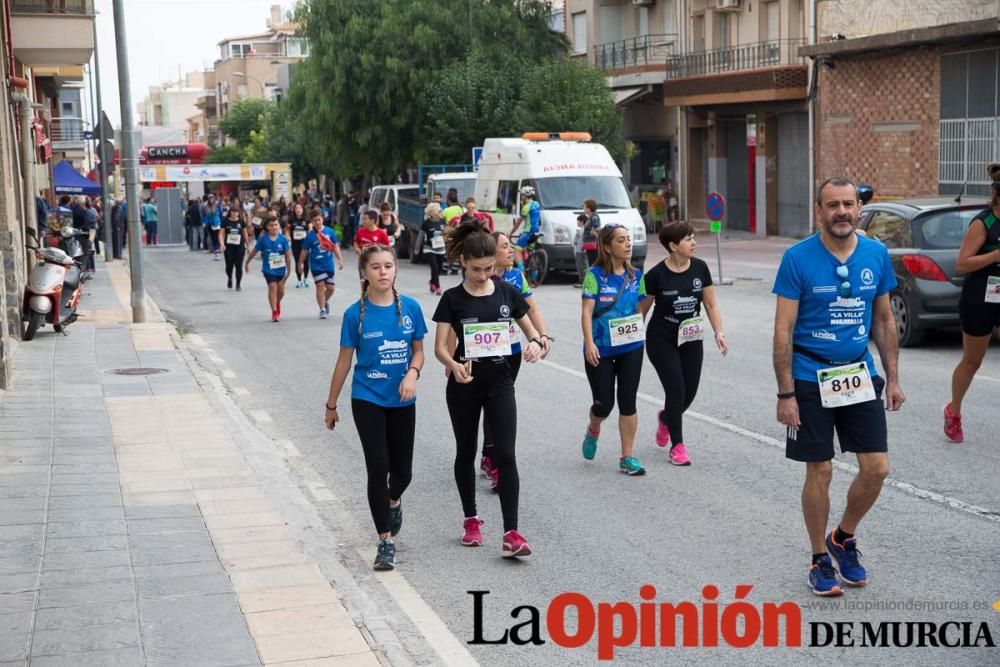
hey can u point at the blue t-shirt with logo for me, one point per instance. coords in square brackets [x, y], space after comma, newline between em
[320, 261]
[515, 278]
[829, 325]
[383, 348]
[604, 289]
[266, 247]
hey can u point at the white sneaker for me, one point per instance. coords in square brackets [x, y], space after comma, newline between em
[322, 313]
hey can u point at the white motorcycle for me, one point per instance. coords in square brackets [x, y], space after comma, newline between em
[53, 291]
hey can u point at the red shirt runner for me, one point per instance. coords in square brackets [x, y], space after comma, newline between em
[364, 237]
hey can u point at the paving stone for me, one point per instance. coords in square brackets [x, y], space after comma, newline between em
[20, 533]
[84, 502]
[32, 504]
[58, 618]
[142, 512]
[169, 525]
[14, 646]
[205, 584]
[80, 560]
[57, 545]
[18, 583]
[165, 556]
[28, 562]
[86, 513]
[124, 657]
[177, 631]
[41, 490]
[78, 640]
[13, 603]
[310, 645]
[71, 596]
[83, 489]
[193, 569]
[19, 622]
[67, 578]
[26, 551]
[85, 528]
[14, 518]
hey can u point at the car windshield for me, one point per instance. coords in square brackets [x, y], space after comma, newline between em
[942, 229]
[568, 192]
[466, 187]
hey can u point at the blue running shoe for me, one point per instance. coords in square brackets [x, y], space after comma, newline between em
[590, 445]
[823, 578]
[385, 559]
[852, 572]
[631, 466]
[396, 519]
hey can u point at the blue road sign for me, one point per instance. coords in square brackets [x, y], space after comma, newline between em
[477, 154]
[715, 206]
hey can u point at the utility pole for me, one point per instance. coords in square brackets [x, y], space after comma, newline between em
[129, 156]
[101, 152]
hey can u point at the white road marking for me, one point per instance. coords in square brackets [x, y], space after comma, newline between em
[241, 391]
[905, 487]
[261, 416]
[228, 374]
[289, 447]
[987, 377]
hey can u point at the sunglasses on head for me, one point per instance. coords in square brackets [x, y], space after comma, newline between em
[845, 285]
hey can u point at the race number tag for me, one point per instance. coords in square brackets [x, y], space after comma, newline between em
[298, 234]
[673, 202]
[437, 242]
[488, 339]
[993, 289]
[256, 222]
[392, 241]
[233, 238]
[691, 329]
[845, 385]
[276, 261]
[625, 330]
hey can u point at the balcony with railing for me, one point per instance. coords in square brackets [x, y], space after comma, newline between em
[759, 72]
[59, 32]
[68, 132]
[634, 52]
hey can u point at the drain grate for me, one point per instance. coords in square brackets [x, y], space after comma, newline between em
[137, 371]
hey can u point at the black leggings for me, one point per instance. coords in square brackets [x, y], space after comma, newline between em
[387, 439]
[622, 370]
[514, 362]
[296, 249]
[436, 261]
[679, 370]
[234, 260]
[491, 391]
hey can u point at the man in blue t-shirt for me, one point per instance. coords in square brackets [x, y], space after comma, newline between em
[833, 296]
[319, 246]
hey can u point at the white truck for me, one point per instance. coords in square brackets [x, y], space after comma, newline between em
[565, 169]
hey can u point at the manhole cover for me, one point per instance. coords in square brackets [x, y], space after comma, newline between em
[137, 371]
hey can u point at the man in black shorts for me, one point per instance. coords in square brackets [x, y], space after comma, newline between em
[832, 296]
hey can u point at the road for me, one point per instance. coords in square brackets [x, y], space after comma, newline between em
[731, 518]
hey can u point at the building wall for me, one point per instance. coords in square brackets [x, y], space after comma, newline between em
[894, 147]
[859, 18]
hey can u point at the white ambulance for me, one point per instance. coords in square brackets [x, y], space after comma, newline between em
[565, 169]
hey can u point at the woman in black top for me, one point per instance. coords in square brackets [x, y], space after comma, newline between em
[297, 229]
[480, 312]
[233, 238]
[979, 307]
[678, 287]
[433, 229]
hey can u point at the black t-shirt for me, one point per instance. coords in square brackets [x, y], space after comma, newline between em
[230, 226]
[457, 307]
[297, 227]
[676, 296]
[974, 288]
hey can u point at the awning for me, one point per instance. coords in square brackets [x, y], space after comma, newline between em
[626, 95]
[69, 181]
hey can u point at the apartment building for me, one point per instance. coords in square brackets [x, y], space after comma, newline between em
[908, 94]
[173, 103]
[249, 65]
[44, 50]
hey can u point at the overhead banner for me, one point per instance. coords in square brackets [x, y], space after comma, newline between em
[209, 172]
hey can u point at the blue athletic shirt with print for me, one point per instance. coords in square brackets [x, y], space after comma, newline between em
[603, 289]
[383, 348]
[532, 216]
[831, 326]
[515, 279]
[266, 247]
[320, 261]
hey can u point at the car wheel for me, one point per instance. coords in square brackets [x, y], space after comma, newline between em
[906, 329]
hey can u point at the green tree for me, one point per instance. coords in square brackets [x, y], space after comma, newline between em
[244, 117]
[228, 154]
[563, 95]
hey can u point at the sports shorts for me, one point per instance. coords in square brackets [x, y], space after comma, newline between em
[271, 278]
[978, 319]
[324, 277]
[860, 428]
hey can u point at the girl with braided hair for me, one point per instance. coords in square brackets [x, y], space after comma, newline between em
[386, 331]
[480, 312]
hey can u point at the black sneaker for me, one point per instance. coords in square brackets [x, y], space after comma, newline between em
[229, 284]
[396, 519]
[385, 559]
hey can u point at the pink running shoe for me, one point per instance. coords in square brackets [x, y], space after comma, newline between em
[494, 479]
[953, 425]
[486, 466]
[679, 455]
[472, 537]
[662, 432]
[514, 546]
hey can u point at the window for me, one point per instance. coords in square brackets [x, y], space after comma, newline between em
[643, 20]
[888, 227]
[580, 32]
[668, 11]
[392, 200]
[271, 91]
[970, 121]
[297, 46]
[507, 197]
[242, 92]
[240, 50]
[944, 229]
[568, 192]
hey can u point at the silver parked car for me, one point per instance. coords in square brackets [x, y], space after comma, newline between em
[923, 237]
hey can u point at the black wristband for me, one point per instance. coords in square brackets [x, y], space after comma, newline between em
[551, 339]
[787, 394]
[537, 341]
[414, 368]
[334, 408]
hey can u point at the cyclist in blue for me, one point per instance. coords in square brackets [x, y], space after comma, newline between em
[530, 211]
[276, 253]
[319, 246]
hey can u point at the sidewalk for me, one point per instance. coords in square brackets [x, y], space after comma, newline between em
[134, 530]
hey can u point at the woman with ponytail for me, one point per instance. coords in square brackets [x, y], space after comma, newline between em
[479, 312]
[386, 331]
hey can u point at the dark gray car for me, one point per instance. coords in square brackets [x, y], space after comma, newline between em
[923, 237]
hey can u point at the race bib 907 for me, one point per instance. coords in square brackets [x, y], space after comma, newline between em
[487, 339]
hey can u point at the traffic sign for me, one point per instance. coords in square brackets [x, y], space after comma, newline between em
[715, 207]
[715, 227]
[477, 154]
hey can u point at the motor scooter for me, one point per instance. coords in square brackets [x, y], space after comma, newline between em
[69, 239]
[53, 292]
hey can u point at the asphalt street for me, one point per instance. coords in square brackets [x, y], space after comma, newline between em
[731, 518]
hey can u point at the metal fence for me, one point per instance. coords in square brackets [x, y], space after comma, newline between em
[967, 145]
[80, 7]
[735, 58]
[68, 128]
[634, 51]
